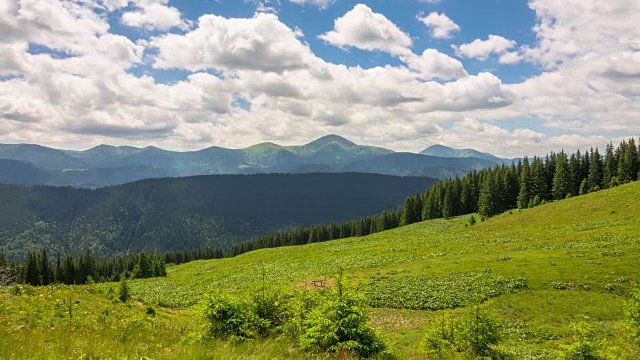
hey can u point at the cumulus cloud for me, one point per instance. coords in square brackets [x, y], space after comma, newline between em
[433, 64]
[440, 25]
[260, 43]
[364, 29]
[493, 45]
[81, 88]
[154, 15]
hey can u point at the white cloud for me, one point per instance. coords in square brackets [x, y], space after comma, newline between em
[588, 90]
[433, 64]
[364, 29]
[323, 4]
[259, 43]
[440, 25]
[154, 15]
[494, 45]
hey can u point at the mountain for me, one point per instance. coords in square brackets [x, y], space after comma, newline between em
[444, 151]
[106, 165]
[187, 213]
[40, 156]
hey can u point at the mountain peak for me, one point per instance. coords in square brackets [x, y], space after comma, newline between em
[331, 138]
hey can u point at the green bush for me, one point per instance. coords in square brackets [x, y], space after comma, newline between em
[230, 317]
[475, 334]
[338, 324]
[440, 339]
[584, 346]
[632, 315]
[329, 320]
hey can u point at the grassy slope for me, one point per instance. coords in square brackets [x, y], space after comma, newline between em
[587, 241]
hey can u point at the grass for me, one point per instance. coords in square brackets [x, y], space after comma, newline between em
[578, 257]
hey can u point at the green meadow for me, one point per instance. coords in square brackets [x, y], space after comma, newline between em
[540, 270]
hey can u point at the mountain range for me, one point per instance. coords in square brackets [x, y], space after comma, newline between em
[106, 165]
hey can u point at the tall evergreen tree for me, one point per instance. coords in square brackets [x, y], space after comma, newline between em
[143, 268]
[561, 178]
[526, 188]
[594, 180]
[610, 166]
[32, 272]
[46, 270]
[488, 203]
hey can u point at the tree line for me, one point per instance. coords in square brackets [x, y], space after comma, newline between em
[40, 269]
[525, 184]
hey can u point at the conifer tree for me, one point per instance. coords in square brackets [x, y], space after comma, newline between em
[524, 195]
[46, 271]
[143, 268]
[32, 272]
[610, 166]
[487, 203]
[561, 178]
[594, 180]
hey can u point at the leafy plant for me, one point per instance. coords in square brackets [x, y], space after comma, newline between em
[475, 334]
[339, 324]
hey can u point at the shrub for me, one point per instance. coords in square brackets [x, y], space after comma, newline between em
[440, 339]
[632, 315]
[475, 334]
[150, 310]
[339, 324]
[229, 317]
[583, 347]
[478, 331]
[123, 290]
[472, 220]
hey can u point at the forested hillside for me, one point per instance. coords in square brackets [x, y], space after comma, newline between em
[527, 184]
[187, 213]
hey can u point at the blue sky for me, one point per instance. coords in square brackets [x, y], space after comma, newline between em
[508, 77]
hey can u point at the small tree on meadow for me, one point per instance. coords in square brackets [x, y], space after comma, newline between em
[123, 290]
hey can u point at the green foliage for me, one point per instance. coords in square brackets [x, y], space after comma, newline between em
[632, 315]
[339, 324]
[438, 292]
[328, 320]
[472, 220]
[440, 340]
[477, 333]
[583, 347]
[124, 294]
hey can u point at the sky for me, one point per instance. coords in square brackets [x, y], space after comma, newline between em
[509, 77]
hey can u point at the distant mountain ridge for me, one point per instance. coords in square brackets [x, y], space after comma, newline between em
[106, 165]
[445, 151]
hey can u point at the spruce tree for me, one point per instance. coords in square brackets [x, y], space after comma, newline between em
[123, 290]
[487, 202]
[610, 167]
[143, 268]
[46, 270]
[524, 195]
[32, 271]
[561, 178]
[594, 180]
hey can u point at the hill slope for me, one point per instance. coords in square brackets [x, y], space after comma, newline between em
[578, 257]
[187, 213]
